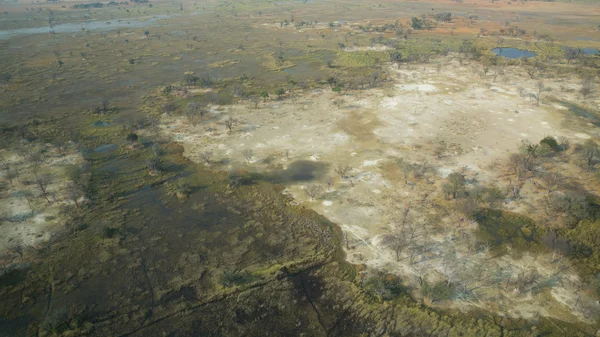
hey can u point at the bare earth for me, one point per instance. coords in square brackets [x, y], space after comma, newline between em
[479, 119]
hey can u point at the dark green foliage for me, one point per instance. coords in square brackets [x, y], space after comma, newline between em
[455, 185]
[280, 92]
[132, 137]
[439, 291]
[85, 6]
[235, 179]
[5, 77]
[190, 79]
[109, 232]
[331, 81]
[337, 88]
[396, 57]
[417, 23]
[383, 287]
[446, 17]
[571, 206]
[504, 227]
[550, 142]
[234, 279]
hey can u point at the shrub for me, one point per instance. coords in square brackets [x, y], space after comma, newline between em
[550, 142]
[132, 137]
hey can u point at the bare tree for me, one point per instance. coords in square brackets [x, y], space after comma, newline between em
[552, 180]
[153, 164]
[194, 111]
[538, 94]
[30, 198]
[16, 247]
[42, 182]
[5, 164]
[402, 235]
[338, 102]
[342, 170]
[74, 194]
[248, 154]
[229, 123]
[587, 88]
[589, 152]
[255, 101]
[572, 54]
[11, 175]
[205, 156]
[314, 191]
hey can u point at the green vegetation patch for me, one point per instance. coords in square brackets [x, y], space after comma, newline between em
[508, 228]
[361, 58]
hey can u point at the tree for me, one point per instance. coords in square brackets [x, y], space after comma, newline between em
[538, 95]
[338, 102]
[416, 23]
[455, 185]
[42, 183]
[76, 174]
[552, 180]
[74, 194]
[342, 170]
[191, 79]
[229, 123]
[313, 191]
[132, 137]
[169, 108]
[154, 164]
[572, 206]
[572, 54]
[248, 154]
[587, 88]
[331, 81]
[280, 92]
[396, 57]
[264, 95]
[146, 33]
[402, 235]
[519, 164]
[205, 156]
[11, 175]
[194, 111]
[551, 143]
[589, 152]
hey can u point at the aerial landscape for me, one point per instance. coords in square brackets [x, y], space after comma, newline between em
[299, 168]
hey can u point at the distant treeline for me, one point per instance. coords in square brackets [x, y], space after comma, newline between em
[100, 5]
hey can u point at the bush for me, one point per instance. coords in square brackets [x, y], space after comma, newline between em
[439, 291]
[383, 287]
[110, 232]
[550, 142]
[132, 137]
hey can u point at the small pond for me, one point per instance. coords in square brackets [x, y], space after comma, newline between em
[106, 148]
[101, 26]
[590, 51]
[513, 53]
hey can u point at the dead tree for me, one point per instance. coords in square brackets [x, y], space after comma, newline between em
[248, 154]
[42, 183]
[314, 191]
[342, 170]
[538, 95]
[229, 123]
[552, 180]
[205, 156]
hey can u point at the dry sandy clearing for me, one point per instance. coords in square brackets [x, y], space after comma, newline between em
[454, 119]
